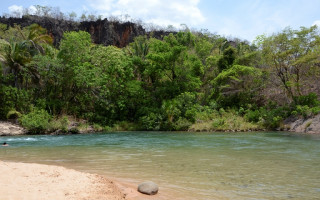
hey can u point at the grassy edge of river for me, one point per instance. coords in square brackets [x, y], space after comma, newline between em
[232, 123]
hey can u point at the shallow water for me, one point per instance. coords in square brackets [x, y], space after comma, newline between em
[187, 165]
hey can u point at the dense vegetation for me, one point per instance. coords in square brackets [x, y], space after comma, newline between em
[187, 81]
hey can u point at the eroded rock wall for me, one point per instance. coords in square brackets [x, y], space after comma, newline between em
[102, 31]
[303, 125]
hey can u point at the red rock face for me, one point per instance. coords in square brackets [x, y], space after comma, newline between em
[102, 31]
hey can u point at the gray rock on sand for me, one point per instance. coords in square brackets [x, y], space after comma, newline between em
[148, 187]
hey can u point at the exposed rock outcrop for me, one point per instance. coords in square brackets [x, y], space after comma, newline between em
[302, 125]
[102, 31]
[8, 129]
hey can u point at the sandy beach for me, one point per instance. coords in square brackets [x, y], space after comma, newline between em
[22, 181]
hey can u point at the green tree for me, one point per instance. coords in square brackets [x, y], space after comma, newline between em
[290, 55]
[227, 59]
[113, 80]
[17, 52]
[237, 86]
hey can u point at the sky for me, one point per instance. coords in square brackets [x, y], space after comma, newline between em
[244, 19]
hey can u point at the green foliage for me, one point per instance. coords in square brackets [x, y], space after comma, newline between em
[151, 122]
[12, 98]
[212, 120]
[290, 54]
[74, 47]
[97, 127]
[253, 115]
[182, 124]
[186, 81]
[61, 123]
[13, 114]
[112, 80]
[303, 110]
[269, 117]
[18, 46]
[36, 122]
[308, 100]
[306, 111]
[124, 126]
[236, 86]
[227, 59]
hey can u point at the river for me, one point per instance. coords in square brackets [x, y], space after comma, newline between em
[188, 166]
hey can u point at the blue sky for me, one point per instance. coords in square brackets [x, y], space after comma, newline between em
[237, 18]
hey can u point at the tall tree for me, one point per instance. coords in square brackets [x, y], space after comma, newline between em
[290, 54]
[20, 46]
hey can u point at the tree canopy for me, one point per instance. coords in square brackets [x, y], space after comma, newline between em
[166, 84]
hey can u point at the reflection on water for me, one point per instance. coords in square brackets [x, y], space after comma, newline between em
[185, 165]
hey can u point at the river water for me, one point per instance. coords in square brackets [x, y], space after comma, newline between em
[188, 166]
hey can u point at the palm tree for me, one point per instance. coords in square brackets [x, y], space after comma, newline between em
[17, 52]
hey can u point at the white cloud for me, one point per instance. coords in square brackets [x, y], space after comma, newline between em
[18, 11]
[317, 22]
[15, 9]
[161, 12]
[32, 10]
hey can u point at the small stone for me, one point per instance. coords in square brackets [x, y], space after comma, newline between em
[148, 187]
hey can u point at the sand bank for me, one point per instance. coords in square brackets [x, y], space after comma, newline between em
[22, 181]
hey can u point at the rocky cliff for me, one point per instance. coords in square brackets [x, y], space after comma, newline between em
[303, 125]
[102, 31]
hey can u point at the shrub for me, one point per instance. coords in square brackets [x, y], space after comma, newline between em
[305, 111]
[310, 100]
[252, 115]
[59, 124]
[124, 126]
[151, 122]
[182, 124]
[107, 128]
[276, 121]
[241, 111]
[218, 123]
[36, 121]
[13, 99]
[97, 127]
[13, 114]
[315, 110]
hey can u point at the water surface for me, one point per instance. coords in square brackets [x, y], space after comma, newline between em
[187, 165]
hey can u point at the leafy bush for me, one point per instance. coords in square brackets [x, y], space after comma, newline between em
[13, 99]
[218, 122]
[182, 124]
[61, 123]
[275, 123]
[303, 110]
[270, 116]
[124, 126]
[315, 110]
[151, 122]
[13, 114]
[36, 121]
[255, 115]
[306, 111]
[222, 120]
[97, 127]
[310, 100]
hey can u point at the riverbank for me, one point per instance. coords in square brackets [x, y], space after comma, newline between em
[37, 181]
[296, 124]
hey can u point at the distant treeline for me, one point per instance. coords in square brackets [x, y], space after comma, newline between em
[55, 13]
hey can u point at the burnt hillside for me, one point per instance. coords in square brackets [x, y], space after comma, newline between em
[102, 31]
